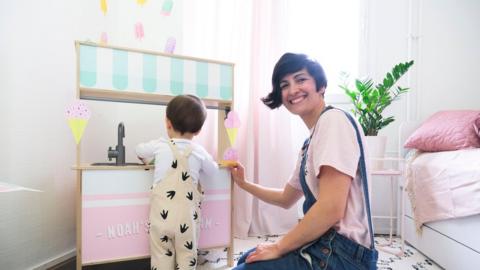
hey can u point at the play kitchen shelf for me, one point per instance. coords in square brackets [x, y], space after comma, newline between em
[112, 199]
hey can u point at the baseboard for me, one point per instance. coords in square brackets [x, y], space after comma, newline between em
[53, 262]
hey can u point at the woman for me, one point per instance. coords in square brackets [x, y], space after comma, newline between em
[336, 231]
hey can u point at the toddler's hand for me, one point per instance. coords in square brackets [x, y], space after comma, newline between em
[142, 160]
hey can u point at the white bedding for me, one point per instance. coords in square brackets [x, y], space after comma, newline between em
[443, 185]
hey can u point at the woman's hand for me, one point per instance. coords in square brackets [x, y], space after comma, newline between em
[238, 174]
[264, 252]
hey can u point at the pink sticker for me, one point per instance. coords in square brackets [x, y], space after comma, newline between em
[104, 38]
[170, 45]
[232, 121]
[139, 31]
[78, 110]
[230, 154]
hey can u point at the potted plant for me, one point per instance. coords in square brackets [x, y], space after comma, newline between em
[370, 100]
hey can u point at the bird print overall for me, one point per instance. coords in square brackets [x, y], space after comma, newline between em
[175, 216]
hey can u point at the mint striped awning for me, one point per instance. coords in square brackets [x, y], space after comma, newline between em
[129, 70]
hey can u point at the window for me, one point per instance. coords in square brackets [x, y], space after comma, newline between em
[328, 31]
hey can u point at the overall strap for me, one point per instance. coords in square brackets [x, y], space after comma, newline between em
[363, 174]
[309, 197]
[181, 156]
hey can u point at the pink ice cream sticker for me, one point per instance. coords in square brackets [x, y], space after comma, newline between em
[77, 115]
[232, 121]
[78, 110]
[230, 154]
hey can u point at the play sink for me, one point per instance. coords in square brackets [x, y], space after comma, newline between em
[114, 164]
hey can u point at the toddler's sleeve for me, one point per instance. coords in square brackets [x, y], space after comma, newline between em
[209, 166]
[147, 150]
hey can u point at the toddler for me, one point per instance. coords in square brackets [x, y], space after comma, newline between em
[176, 194]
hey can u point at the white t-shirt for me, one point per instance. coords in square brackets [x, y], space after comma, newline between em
[200, 162]
[334, 143]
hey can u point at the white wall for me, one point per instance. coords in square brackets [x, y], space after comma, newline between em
[37, 82]
[442, 37]
[448, 56]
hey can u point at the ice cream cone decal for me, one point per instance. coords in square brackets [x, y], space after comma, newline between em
[77, 116]
[232, 135]
[232, 123]
[230, 157]
[103, 6]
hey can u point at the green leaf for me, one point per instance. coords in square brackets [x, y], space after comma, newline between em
[370, 99]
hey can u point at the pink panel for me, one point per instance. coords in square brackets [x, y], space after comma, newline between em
[215, 226]
[114, 232]
[117, 232]
[97, 197]
[216, 191]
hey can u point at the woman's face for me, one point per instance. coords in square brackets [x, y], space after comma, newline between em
[299, 93]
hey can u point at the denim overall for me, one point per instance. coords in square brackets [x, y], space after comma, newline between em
[332, 250]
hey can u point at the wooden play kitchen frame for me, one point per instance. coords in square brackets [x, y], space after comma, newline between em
[110, 73]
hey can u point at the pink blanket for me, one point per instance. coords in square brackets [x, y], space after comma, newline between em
[443, 185]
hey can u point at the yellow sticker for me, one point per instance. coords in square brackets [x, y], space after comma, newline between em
[77, 126]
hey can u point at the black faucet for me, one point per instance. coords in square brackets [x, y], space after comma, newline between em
[119, 152]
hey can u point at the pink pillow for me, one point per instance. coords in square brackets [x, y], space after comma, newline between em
[477, 127]
[447, 131]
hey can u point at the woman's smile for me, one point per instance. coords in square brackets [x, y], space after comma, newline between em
[297, 98]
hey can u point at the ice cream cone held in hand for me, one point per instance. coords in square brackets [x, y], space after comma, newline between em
[230, 158]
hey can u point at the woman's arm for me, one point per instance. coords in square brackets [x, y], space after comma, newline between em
[326, 212]
[284, 198]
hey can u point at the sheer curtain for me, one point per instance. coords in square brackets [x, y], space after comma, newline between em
[253, 35]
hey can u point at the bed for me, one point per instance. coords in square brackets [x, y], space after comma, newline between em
[446, 223]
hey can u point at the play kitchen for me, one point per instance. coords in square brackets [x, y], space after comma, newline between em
[112, 198]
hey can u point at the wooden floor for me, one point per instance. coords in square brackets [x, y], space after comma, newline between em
[143, 264]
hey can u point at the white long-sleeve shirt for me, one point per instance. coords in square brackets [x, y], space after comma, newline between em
[200, 162]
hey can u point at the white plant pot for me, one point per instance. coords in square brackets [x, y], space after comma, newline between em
[375, 151]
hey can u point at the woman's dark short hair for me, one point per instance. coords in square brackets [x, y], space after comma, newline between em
[187, 113]
[288, 64]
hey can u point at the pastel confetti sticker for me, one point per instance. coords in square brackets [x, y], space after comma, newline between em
[103, 6]
[104, 38]
[232, 123]
[77, 115]
[170, 45]
[141, 2]
[139, 31]
[167, 7]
